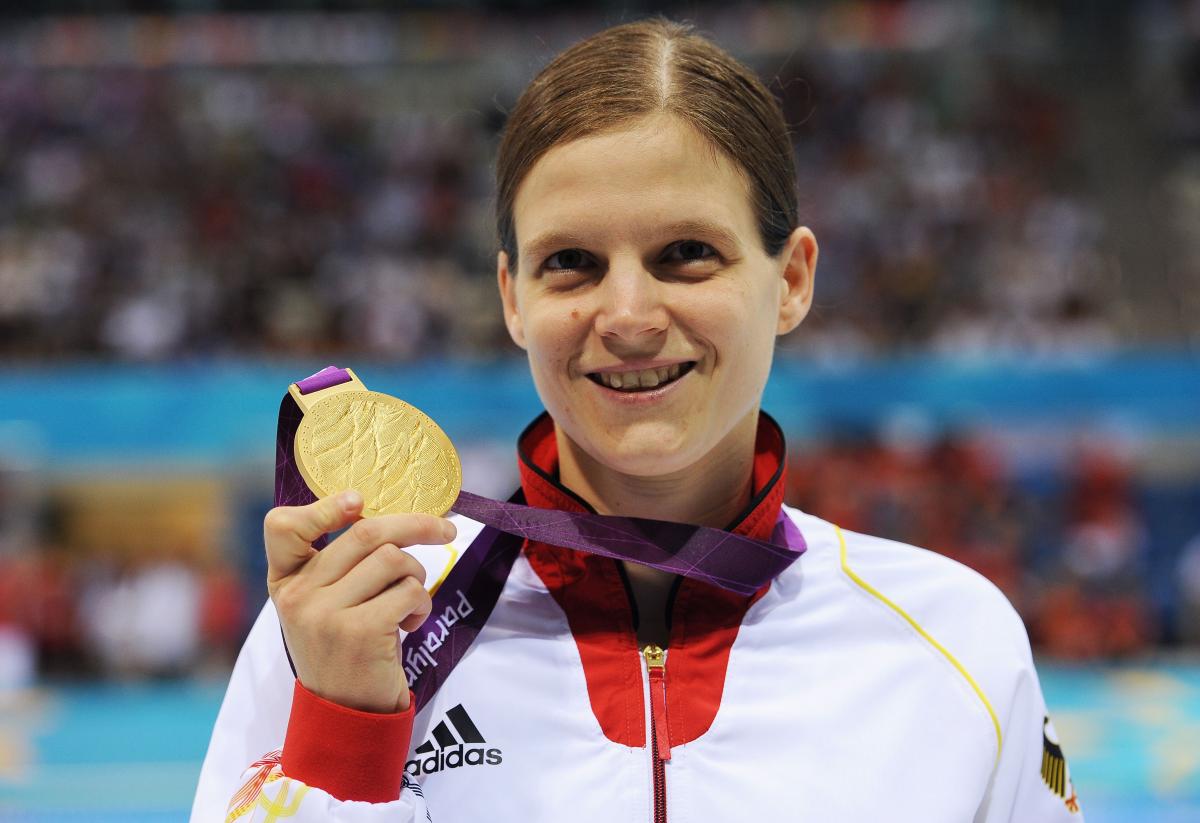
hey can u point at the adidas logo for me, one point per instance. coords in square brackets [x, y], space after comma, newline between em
[452, 752]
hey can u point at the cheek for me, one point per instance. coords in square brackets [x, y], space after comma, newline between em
[746, 319]
[551, 332]
[738, 315]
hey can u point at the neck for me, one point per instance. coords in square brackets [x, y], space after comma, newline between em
[710, 492]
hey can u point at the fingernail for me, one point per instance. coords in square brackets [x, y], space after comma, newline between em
[448, 531]
[350, 500]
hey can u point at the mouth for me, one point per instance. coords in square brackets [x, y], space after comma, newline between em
[641, 380]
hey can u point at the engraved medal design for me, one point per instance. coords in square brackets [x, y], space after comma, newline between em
[390, 452]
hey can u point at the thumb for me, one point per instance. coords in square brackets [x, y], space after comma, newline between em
[289, 531]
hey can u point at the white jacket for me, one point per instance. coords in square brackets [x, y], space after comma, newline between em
[870, 681]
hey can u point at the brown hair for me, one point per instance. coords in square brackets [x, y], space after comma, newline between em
[630, 71]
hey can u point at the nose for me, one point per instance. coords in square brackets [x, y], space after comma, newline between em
[632, 302]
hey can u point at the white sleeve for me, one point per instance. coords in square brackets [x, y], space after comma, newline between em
[241, 778]
[1031, 783]
[267, 795]
[253, 718]
[983, 636]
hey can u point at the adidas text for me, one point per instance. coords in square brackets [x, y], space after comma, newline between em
[453, 758]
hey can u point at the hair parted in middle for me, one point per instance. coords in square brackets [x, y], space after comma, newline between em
[635, 70]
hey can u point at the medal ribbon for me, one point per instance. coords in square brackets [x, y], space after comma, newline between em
[466, 597]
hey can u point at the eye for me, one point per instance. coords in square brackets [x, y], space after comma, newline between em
[686, 251]
[566, 260]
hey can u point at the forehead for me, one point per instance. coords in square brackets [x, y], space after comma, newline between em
[621, 184]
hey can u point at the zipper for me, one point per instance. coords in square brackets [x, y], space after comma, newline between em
[659, 732]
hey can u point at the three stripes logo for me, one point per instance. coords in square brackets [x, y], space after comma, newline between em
[444, 750]
[1054, 767]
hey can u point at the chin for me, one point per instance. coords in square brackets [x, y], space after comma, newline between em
[646, 451]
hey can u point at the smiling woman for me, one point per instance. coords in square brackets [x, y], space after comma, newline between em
[650, 254]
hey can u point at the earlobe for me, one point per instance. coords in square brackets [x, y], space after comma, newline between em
[799, 258]
[508, 297]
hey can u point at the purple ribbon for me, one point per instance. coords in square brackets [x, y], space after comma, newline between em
[732, 561]
[467, 596]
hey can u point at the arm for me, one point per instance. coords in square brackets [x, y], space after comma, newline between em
[337, 764]
[253, 717]
[1031, 781]
[338, 736]
[264, 706]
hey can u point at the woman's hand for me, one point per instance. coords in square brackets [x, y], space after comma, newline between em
[340, 607]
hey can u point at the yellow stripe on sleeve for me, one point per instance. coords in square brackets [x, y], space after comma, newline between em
[878, 595]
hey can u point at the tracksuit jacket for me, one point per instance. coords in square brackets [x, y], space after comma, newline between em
[871, 681]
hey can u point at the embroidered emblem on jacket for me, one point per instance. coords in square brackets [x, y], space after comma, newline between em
[1054, 767]
[443, 750]
[265, 769]
[282, 806]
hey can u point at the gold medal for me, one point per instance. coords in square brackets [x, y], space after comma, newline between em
[390, 452]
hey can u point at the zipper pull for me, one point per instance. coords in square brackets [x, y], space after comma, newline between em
[656, 668]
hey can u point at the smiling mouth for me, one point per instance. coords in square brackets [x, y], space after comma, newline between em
[642, 379]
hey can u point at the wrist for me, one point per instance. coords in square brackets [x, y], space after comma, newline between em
[349, 753]
[355, 699]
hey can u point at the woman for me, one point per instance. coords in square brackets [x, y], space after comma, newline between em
[650, 254]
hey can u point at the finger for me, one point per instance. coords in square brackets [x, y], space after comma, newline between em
[377, 571]
[288, 531]
[405, 604]
[367, 535]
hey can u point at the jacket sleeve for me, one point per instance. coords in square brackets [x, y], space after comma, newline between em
[283, 797]
[1031, 782]
[337, 764]
[277, 750]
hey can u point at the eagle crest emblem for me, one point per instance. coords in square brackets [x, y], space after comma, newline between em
[1055, 773]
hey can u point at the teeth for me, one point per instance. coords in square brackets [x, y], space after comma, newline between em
[644, 379]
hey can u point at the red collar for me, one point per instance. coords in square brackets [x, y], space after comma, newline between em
[537, 452]
[595, 597]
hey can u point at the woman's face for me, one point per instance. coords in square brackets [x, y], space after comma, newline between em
[644, 298]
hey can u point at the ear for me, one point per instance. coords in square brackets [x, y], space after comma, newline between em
[799, 260]
[507, 281]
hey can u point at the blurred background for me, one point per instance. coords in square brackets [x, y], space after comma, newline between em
[201, 202]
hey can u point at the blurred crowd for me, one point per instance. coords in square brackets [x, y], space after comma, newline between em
[68, 610]
[1168, 79]
[149, 214]
[944, 214]
[63, 615]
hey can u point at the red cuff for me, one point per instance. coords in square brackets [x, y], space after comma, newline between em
[350, 754]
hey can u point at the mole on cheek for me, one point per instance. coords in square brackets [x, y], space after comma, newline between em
[574, 314]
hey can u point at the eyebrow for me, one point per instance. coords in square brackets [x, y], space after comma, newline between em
[683, 229]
